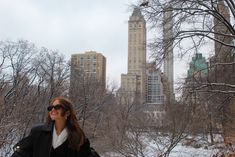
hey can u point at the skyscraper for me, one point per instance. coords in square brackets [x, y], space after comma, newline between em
[222, 34]
[154, 88]
[134, 81]
[137, 43]
[168, 50]
[222, 68]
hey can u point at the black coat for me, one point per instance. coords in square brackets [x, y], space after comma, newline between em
[39, 143]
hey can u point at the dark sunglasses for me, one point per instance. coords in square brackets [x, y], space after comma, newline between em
[56, 107]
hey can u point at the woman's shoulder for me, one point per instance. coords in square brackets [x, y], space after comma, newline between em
[42, 127]
[89, 150]
[85, 149]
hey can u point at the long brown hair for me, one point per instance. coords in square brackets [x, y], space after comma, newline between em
[76, 136]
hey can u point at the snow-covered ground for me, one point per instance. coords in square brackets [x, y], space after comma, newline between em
[198, 148]
[178, 151]
[189, 147]
[182, 150]
[187, 151]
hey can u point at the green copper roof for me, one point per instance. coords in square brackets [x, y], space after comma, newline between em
[198, 65]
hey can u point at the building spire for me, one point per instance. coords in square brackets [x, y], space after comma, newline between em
[137, 12]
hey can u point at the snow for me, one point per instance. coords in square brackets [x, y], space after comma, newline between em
[186, 151]
[201, 148]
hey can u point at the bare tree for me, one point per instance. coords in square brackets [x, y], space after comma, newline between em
[124, 123]
[197, 24]
[195, 21]
[26, 88]
[17, 72]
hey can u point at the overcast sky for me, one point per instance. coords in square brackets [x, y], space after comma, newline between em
[73, 26]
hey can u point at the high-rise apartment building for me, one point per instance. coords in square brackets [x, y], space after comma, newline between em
[134, 81]
[137, 43]
[155, 97]
[221, 67]
[154, 87]
[89, 64]
[222, 34]
[168, 50]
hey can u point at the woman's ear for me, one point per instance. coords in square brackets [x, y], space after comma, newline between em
[67, 113]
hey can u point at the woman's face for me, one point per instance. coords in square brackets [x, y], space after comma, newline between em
[56, 113]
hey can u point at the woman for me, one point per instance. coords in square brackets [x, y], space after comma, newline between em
[61, 136]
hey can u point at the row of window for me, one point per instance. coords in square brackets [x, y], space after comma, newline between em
[87, 64]
[156, 99]
[128, 79]
[84, 58]
[154, 93]
[134, 51]
[152, 78]
[90, 71]
[135, 25]
[82, 62]
[88, 57]
[135, 61]
[136, 47]
[135, 66]
[153, 89]
[153, 82]
[141, 40]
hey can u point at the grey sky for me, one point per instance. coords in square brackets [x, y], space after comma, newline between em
[72, 26]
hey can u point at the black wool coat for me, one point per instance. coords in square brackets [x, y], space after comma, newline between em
[39, 143]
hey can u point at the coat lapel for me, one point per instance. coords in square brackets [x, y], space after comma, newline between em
[46, 140]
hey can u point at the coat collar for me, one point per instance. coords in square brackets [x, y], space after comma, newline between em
[48, 126]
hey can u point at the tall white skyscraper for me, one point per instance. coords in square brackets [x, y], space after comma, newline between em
[134, 81]
[168, 50]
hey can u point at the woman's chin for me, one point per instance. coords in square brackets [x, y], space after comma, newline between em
[53, 118]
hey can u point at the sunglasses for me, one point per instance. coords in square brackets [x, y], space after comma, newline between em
[56, 107]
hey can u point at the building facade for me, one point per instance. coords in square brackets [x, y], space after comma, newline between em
[168, 51]
[142, 85]
[133, 82]
[89, 64]
[155, 98]
[222, 68]
[222, 34]
[154, 87]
